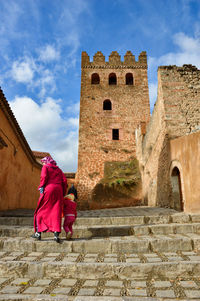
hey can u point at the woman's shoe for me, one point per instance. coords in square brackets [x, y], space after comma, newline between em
[56, 237]
[68, 235]
[36, 235]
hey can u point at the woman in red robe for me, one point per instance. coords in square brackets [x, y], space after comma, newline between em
[48, 214]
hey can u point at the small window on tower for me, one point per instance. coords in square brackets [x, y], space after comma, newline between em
[107, 105]
[129, 79]
[112, 79]
[115, 134]
[95, 80]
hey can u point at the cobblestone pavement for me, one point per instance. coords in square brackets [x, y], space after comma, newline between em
[125, 211]
[153, 257]
[181, 288]
[125, 268]
[154, 287]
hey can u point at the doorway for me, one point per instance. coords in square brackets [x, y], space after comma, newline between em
[177, 196]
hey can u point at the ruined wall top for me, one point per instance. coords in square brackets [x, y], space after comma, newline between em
[188, 73]
[114, 60]
[180, 96]
[185, 67]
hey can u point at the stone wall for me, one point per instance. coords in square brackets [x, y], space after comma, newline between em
[176, 113]
[19, 171]
[70, 176]
[185, 155]
[181, 95]
[129, 106]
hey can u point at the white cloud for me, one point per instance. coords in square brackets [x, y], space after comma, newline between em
[11, 12]
[188, 52]
[70, 31]
[46, 130]
[28, 71]
[23, 71]
[49, 53]
[37, 120]
[46, 82]
[187, 44]
[74, 121]
[152, 94]
[74, 108]
[73, 40]
[66, 152]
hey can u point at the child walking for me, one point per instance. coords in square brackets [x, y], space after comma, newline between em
[69, 211]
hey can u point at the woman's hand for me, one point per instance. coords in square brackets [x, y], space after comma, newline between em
[41, 189]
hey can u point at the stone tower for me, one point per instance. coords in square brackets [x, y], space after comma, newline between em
[114, 100]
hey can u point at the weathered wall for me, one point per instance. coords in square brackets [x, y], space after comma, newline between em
[19, 172]
[185, 155]
[130, 106]
[176, 114]
[70, 176]
[152, 153]
[121, 185]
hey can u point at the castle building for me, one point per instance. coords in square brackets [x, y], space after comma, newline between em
[114, 101]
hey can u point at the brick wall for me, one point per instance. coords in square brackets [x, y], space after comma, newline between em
[130, 106]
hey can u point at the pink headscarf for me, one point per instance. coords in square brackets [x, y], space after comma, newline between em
[48, 160]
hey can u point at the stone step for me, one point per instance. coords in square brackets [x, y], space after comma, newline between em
[114, 220]
[98, 265]
[107, 231]
[61, 297]
[143, 243]
[131, 255]
[77, 289]
[99, 270]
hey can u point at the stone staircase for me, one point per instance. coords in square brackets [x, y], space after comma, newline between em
[120, 254]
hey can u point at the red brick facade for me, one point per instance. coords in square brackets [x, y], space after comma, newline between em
[114, 100]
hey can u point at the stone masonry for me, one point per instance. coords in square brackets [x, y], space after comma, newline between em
[114, 101]
[176, 114]
[121, 254]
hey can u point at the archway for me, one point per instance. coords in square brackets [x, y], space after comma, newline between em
[107, 105]
[177, 195]
[112, 79]
[129, 79]
[95, 79]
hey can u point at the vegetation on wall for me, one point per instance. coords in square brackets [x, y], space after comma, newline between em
[121, 183]
[121, 173]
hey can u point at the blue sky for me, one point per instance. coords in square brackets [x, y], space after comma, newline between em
[40, 56]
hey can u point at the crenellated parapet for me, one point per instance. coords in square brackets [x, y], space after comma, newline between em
[99, 58]
[114, 61]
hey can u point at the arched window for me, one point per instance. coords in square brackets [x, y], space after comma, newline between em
[107, 105]
[112, 79]
[95, 79]
[176, 189]
[129, 79]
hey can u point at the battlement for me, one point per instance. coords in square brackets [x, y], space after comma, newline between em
[185, 67]
[114, 60]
